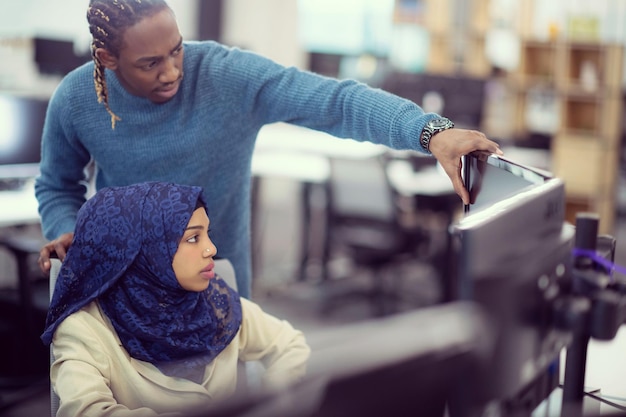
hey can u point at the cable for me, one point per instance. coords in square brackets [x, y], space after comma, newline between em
[606, 401]
[602, 400]
[608, 265]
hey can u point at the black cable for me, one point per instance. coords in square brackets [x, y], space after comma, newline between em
[602, 400]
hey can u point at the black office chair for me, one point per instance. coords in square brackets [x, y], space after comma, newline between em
[23, 308]
[364, 226]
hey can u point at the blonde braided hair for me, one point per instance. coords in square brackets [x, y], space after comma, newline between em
[108, 20]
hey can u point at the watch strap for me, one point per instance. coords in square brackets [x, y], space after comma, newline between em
[433, 127]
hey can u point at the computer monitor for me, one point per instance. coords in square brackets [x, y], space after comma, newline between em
[57, 56]
[417, 363]
[511, 254]
[458, 97]
[21, 127]
[491, 179]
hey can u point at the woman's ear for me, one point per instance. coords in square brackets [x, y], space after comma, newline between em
[107, 58]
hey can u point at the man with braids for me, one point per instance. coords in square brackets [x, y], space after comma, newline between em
[189, 112]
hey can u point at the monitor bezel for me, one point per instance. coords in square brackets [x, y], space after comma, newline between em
[534, 176]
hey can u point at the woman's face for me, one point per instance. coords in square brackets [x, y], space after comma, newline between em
[150, 63]
[193, 261]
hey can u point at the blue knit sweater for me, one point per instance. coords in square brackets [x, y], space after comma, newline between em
[204, 136]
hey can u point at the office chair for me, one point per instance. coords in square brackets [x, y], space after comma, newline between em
[23, 307]
[364, 224]
[55, 266]
[223, 267]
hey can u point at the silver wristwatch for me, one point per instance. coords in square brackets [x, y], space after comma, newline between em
[432, 127]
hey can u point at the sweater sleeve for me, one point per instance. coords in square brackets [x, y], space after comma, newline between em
[281, 349]
[353, 110]
[342, 108]
[60, 188]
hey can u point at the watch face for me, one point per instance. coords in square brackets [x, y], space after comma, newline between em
[439, 123]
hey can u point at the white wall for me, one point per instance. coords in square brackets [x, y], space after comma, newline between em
[65, 19]
[57, 19]
[268, 27]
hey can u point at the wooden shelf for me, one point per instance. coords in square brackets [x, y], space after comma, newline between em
[567, 89]
[538, 64]
[595, 115]
[589, 169]
[453, 49]
[592, 67]
[582, 82]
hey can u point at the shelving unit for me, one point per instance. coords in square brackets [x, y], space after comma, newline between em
[457, 43]
[565, 89]
[584, 79]
[538, 64]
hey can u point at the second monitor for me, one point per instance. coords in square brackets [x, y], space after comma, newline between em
[21, 126]
[512, 255]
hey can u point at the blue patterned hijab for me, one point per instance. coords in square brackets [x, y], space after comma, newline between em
[124, 244]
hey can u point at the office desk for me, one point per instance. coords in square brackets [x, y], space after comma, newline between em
[589, 407]
[431, 181]
[309, 170]
[302, 155]
[283, 137]
[292, 152]
[606, 365]
[432, 190]
[19, 207]
[18, 212]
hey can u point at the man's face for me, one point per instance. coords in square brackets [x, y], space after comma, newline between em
[150, 63]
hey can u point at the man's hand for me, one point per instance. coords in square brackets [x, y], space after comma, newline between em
[58, 246]
[450, 145]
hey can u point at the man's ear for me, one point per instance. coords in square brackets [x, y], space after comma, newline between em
[107, 58]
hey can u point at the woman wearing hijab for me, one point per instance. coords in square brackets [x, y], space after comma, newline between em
[140, 325]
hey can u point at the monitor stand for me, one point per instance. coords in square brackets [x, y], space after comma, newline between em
[595, 309]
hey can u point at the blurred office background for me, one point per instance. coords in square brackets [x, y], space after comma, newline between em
[545, 79]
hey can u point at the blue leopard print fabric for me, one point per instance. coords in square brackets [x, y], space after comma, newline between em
[124, 244]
